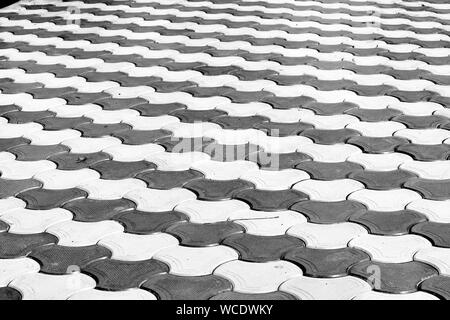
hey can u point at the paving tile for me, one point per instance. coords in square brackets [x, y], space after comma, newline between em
[9, 130]
[439, 286]
[374, 295]
[223, 170]
[325, 262]
[267, 200]
[395, 277]
[431, 189]
[159, 179]
[61, 123]
[172, 287]
[207, 189]
[153, 110]
[274, 180]
[278, 161]
[327, 236]
[27, 117]
[288, 102]
[385, 200]
[277, 295]
[331, 108]
[44, 199]
[378, 144]
[329, 212]
[342, 288]
[390, 249]
[335, 190]
[330, 153]
[79, 98]
[380, 162]
[435, 211]
[78, 161]
[191, 116]
[20, 170]
[121, 275]
[13, 268]
[204, 234]
[323, 136]
[13, 187]
[90, 145]
[65, 179]
[41, 286]
[179, 161]
[424, 136]
[8, 143]
[24, 221]
[328, 171]
[80, 234]
[200, 211]
[36, 153]
[7, 293]
[388, 223]
[436, 170]
[136, 247]
[283, 129]
[130, 294]
[374, 115]
[436, 232]
[155, 200]
[383, 180]
[90, 210]
[246, 278]
[18, 245]
[437, 257]
[257, 248]
[421, 122]
[141, 222]
[138, 137]
[117, 170]
[59, 260]
[188, 261]
[111, 189]
[230, 122]
[97, 130]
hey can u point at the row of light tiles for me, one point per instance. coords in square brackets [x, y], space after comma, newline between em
[369, 29]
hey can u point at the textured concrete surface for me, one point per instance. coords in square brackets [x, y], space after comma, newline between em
[250, 149]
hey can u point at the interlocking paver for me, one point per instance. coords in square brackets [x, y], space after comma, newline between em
[395, 277]
[245, 279]
[204, 234]
[329, 212]
[342, 288]
[326, 262]
[57, 259]
[173, 287]
[239, 143]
